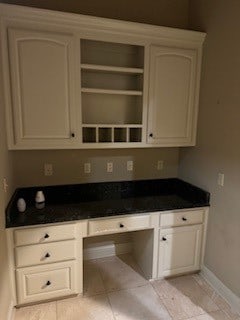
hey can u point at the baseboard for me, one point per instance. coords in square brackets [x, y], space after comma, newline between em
[221, 289]
[11, 311]
[107, 250]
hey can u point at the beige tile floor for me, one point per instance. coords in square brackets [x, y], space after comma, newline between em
[114, 289]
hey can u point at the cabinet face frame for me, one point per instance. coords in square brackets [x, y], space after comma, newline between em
[92, 28]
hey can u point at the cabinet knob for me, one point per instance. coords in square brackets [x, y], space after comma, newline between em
[121, 225]
[47, 255]
[184, 219]
[150, 135]
[48, 283]
[72, 135]
[46, 236]
[164, 239]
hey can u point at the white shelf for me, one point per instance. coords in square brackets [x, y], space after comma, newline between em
[109, 91]
[95, 67]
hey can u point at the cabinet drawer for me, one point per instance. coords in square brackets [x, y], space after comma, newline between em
[181, 218]
[44, 234]
[45, 282]
[121, 224]
[45, 253]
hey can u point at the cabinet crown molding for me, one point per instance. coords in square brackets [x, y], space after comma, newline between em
[74, 20]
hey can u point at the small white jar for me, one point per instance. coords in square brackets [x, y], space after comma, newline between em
[21, 205]
[39, 200]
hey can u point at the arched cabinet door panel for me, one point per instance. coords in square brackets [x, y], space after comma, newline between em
[172, 92]
[42, 87]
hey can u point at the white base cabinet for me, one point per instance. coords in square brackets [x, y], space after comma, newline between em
[182, 238]
[46, 262]
[179, 250]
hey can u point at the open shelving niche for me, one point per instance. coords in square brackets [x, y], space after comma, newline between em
[112, 92]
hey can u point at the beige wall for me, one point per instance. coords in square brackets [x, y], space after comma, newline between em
[5, 172]
[219, 134]
[68, 165]
[172, 13]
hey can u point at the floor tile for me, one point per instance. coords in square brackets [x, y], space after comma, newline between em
[231, 314]
[93, 283]
[44, 311]
[118, 275]
[140, 303]
[181, 307]
[218, 300]
[85, 308]
[216, 315]
[183, 297]
[189, 287]
[165, 289]
[203, 284]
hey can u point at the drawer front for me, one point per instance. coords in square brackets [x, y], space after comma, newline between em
[121, 224]
[181, 218]
[45, 253]
[40, 283]
[44, 234]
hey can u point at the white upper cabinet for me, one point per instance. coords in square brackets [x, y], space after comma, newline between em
[42, 86]
[74, 81]
[172, 93]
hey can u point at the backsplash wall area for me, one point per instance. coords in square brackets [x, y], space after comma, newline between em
[68, 165]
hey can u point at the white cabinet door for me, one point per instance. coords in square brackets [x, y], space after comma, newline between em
[172, 96]
[42, 88]
[179, 250]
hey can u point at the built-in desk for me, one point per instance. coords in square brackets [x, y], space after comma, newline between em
[46, 248]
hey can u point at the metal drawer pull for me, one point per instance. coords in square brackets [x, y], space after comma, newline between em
[48, 283]
[46, 236]
[47, 255]
[184, 219]
[164, 239]
[121, 225]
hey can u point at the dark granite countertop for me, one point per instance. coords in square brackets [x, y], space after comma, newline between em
[93, 200]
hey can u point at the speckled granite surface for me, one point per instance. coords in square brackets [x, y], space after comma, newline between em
[92, 200]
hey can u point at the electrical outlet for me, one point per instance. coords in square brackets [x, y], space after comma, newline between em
[48, 169]
[130, 165]
[220, 179]
[109, 167]
[87, 167]
[160, 165]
